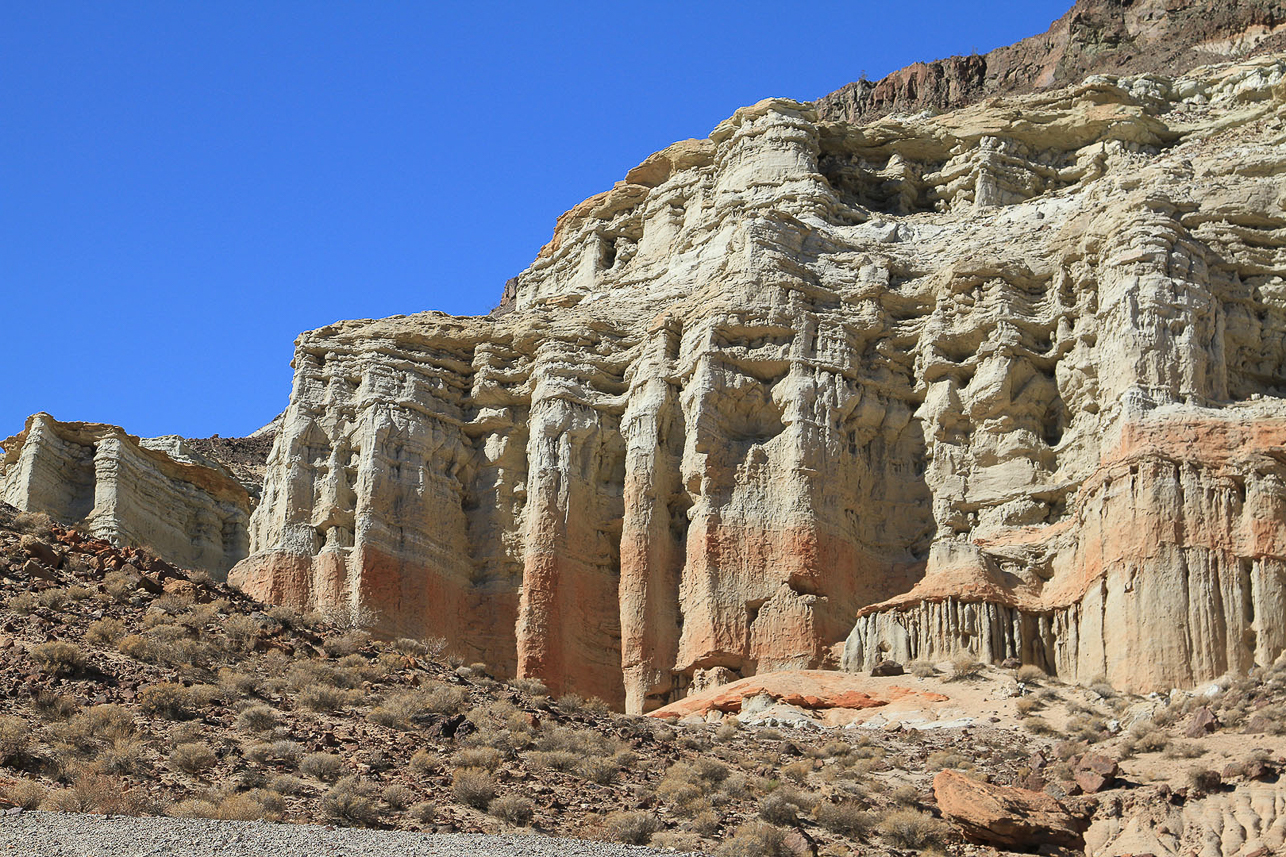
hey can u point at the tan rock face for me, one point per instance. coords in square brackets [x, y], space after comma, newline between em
[1004, 816]
[1012, 374]
[152, 492]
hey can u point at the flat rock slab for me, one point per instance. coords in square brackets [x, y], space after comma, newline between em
[811, 690]
[75, 835]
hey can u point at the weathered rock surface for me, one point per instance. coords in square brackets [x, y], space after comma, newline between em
[153, 492]
[1249, 821]
[1005, 816]
[1005, 380]
[1167, 37]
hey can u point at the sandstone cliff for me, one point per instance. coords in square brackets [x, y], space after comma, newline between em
[152, 492]
[1005, 380]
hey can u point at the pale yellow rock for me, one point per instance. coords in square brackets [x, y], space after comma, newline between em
[798, 369]
[152, 492]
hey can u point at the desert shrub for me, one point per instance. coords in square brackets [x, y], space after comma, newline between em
[283, 752]
[138, 647]
[756, 839]
[424, 762]
[598, 770]
[797, 771]
[677, 840]
[339, 645]
[322, 766]
[326, 699]
[425, 812]
[121, 755]
[487, 758]
[1103, 689]
[288, 784]
[1030, 674]
[398, 796]
[1145, 737]
[922, 669]
[193, 808]
[92, 792]
[52, 599]
[398, 710]
[782, 806]
[965, 667]
[86, 731]
[847, 818]
[727, 730]
[193, 758]
[350, 802]
[58, 658]
[682, 790]
[912, 830]
[15, 737]
[27, 794]
[166, 699]
[1025, 705]
[1184, 750]
[33, 523]
[473, 787]
[585, 742]
[119, 585]
[24, 603]
[1204, 781]
[257, 718]
[941, 759]
[441, 698]
[237, 684]
[241, 630]
[631, 827]
[1039, 726]
[512, 809]
[105, 631]
[571, 702]
[253, 805]
[531, 686]
[906, 796]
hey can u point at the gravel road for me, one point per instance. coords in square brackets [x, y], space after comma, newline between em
[54, 834]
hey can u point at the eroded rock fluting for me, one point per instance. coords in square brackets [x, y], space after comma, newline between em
[1005, 380]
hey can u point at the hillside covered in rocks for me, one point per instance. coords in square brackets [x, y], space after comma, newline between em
[137, 688]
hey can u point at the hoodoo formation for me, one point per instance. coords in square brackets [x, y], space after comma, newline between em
[847, 381]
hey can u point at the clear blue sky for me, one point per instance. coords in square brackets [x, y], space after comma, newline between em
[185, 186]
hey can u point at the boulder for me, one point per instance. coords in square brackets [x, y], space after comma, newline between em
[887, 668]
[1004, 816]
[1094, 772]
[1203, 723]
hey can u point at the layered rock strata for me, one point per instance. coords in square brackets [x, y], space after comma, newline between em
[150, 492]
[1025, 358]
[1167, 37]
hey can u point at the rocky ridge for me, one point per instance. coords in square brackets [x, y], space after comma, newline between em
[1167, 37]
[156, 492]
[1004, 380]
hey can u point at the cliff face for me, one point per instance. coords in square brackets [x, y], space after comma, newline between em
[1168, 37]
[1003, 380]
[153, 492]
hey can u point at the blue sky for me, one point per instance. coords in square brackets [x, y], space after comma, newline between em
[186, 186]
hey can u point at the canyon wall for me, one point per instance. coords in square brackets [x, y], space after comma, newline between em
[150, 492]
[1006, 380]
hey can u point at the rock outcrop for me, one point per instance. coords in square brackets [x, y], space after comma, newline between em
[150, 492]
[1004, 816]
[1166, 37]
[1005, 380]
